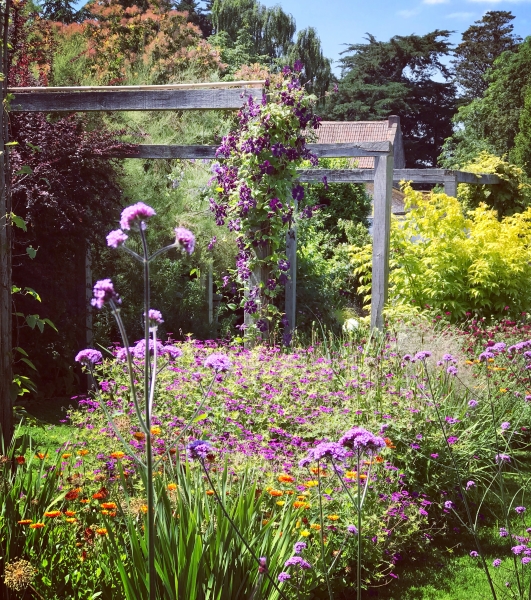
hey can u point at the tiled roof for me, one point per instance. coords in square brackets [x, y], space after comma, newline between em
[337, 132]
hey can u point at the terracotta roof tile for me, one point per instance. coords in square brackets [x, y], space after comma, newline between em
[342, 132]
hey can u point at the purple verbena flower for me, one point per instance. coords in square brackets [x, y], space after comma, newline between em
[518, 549]
[184, 239]
[89, 357]
[284, 576]
[116, 238]
[503, 532]
[297, 561]
[422, 355]
[474, 554]
[171, 351]
[136, 215]
[218, 362]
[199, 449]
[520, 509]
[505, 425]
[496, 562]
[352, 529]
[448, 504]
[324, 450]
[499, 458]
[362, 440]
[104, 292]
[470, 484]
[299, 547]
[472, 403]
[526, 560]
[155, 316]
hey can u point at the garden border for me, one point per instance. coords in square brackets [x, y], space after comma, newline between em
[219, 96]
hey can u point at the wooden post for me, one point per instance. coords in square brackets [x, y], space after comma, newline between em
[291, 286]
[450, 184]
[383, 188]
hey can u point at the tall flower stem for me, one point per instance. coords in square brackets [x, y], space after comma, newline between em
[149, 450]
[237, 531]
[358, 566]
[321, 536]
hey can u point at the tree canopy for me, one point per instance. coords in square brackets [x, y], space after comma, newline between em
[397, 77]
[482, 43]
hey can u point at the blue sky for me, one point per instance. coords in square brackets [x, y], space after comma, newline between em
[341, 22]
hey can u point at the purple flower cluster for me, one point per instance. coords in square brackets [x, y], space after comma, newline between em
[89, 357]
[103, 293]
[361, 440]
[324, 450]
[199, 449]
[184, 239]
[218, 362]
[155, 316]
[116, 238]
[136, 214]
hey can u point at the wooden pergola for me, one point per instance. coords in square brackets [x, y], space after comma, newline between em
[211, 96]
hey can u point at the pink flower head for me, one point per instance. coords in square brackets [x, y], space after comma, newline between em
[89, 357]
[136, 215]
[184, 239]
[116, 238]
[155, 317]
[218, 362]
[104, 292]
[360, 439]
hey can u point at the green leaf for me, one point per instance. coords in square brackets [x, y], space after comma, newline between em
[32, 253]
[29, 363]
[18, 222]
[24, 170]
[231, 306]
[31, 320]
[200, 418]
[20, 350]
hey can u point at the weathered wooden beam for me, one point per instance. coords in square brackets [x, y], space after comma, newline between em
[450, 185]
[291, 285]
[128, 88]
[336, 175]
[383, 188]
[321, 150]
[197, 99]
[481, 179]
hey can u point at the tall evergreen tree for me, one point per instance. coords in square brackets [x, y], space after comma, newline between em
[196, 14]
[62, 11]
[397, 77]
[481, 45]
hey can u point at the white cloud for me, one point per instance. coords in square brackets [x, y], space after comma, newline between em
[435, 1]
[407, 13]
[460, 15]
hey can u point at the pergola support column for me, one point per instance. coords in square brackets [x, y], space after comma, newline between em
[383, 188]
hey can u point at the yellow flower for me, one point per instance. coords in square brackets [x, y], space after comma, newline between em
[156, 431]
[351, 474]
[67, 455]
[280, 503]
[333, 517]
[144, 508]
[305, 533]
[118, 454]
[83, 452]
[71, 520]
[172, 487]
[311, 483]
[315, 526]
[503, 390]
[101, 531]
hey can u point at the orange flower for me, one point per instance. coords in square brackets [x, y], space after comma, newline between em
[20, 460]
[156, 431]
[265, 522]
[315, 526]
[101, 531]
[172, 487]
[389, 443]
[286, 478]
[70, 513]
[52, 514]
[379, 459]
[109, 505]
[98, 496]
[276, 493]
[84, 500]
[118, 454]
[363, 476]
[318, 471]
[36, 525]
[210, 492]
[83, 556]
[299, 504]
[71, 520]
[139, 435]
[289, 492]
[144, 508]
[173, 450]
[41, 455]
[302, 498]
[82, 452]
[24, 522]
[72, 495]
[67, 455]
[351, 475]
[333, 517]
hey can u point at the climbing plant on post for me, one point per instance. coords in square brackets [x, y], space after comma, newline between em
[256, 192]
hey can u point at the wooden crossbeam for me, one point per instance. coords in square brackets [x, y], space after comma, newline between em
[414, 175]
[192, 152]
[174, 99]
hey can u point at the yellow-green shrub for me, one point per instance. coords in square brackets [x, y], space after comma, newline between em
[511, 195]
[455, 262]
